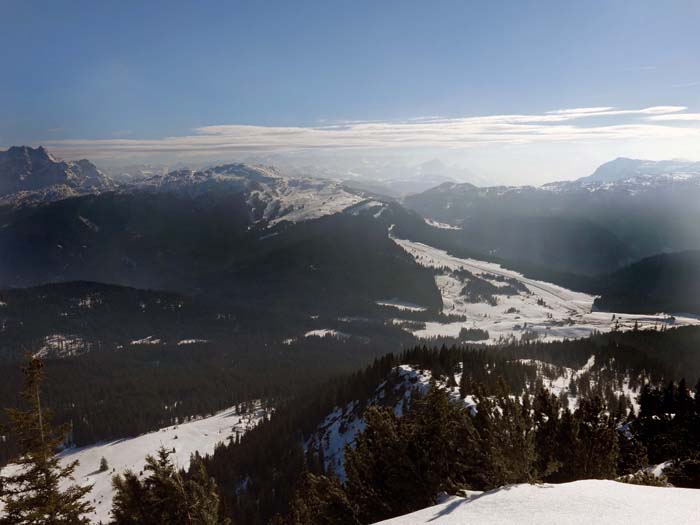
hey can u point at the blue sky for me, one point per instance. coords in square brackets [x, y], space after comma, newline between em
[144, 79]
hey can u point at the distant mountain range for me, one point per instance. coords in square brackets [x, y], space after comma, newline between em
[623, 168]
[626, 210]
[255, 235]
[246, 236]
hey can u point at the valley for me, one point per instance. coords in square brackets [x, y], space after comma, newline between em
[534, 310]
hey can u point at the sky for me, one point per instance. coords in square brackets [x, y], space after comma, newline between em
[520, 92]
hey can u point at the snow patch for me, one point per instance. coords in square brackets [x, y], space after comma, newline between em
[150, 340]
[441, 225]
[401, 305]
[61, 345]
[327, 332]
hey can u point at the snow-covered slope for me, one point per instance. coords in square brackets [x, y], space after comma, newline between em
[270, 195]
[534, 309]
[580, 502]
[341, 426]
[200, 435]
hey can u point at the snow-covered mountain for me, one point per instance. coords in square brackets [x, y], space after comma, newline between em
[579, 502]
[270, 196]
[385, 175]
[623, 168]
[634, 176]
[34, 175]
[625, 211]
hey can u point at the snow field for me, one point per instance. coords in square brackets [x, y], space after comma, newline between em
[579, 502]
[201, 435]
[547, 312]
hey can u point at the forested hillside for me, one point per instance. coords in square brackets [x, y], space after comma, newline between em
[663, 283]
[612, 372]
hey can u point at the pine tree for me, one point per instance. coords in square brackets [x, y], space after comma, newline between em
[507, 438]
[464, 382]
[375, 467]
[596, 456]
[31, 493]
[632, 456]
[546, 415]
[320, 500]
[104, 466]
[164, 496]
[400, 465]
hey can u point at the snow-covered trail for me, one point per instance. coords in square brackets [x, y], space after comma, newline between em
[580, 502]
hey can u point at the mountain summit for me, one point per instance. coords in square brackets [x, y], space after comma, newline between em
[31, 172]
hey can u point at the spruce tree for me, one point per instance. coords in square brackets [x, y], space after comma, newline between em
[547, 408]
[31, 493]
[164, 496]
[597, 454]
[507, 438]
[320, 500]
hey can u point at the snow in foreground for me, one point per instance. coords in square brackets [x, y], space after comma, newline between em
[588, 501]
[201, 436]
[545, 311]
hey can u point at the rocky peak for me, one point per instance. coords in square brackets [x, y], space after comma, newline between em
[26, 169]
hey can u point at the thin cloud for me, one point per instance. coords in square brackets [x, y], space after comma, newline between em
[641, 68]
[561, 125]
[687, 117]
[579, 111]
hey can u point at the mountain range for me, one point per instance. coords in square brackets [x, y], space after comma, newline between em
[241, 237]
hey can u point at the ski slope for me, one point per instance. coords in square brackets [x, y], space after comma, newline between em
[580, 502]
[201, 435]
[545, 311]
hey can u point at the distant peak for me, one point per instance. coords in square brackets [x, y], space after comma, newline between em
[28, 151]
